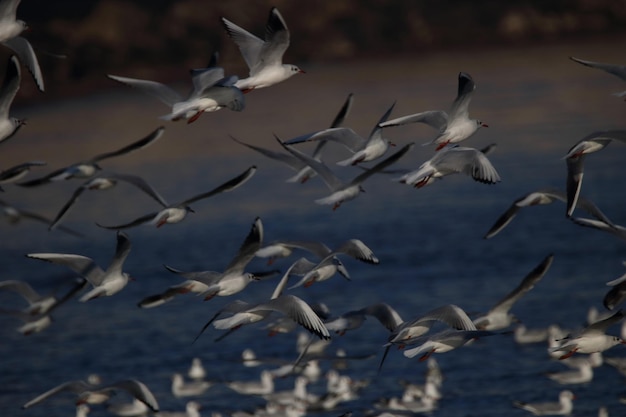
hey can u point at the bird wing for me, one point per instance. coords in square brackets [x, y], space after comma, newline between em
[205, 277]
[382, 164]
[249, 45]
[377, 130]
[8, 10]
[299, 311]
[343, 112]
[137, 389]
[121, 252]
[358, 250]
[342, 135]
[136, 222]
[22, 288]
[464, 96]
[276, 41]
[227, 186]
[285, 158]
[10, 85]
[205, 77]
[602, 325]
[617, 70]
[155, 89]
[526, 285]
[386, 314]
[82, 265]
[76, 387]
[141, 184]
[575, 172]
[246, 252]
[135, 146]
[330, 179]
[26, 55]
[17, 170]
[437, 119]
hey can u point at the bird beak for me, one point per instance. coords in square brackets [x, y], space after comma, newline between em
[484, 125]
[301, 71]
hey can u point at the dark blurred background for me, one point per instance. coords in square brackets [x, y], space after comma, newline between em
[161, 39]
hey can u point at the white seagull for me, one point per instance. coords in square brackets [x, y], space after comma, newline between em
[341, 191]
[590, 339]
[562, 408]
[304, 172]
[17, 172]
[293, 307]
[351, 320]
[15, 215]
[453, 160]
[174, 213]
[10, 31]
[211, 283]
[575, 157]
[89, 167]
[263, 57]
[618, 70]
[443, 341]
[211, 91]
[104, 182]
[538, 198]
[499, 316]
[88, 394]
[364, 150]
[105, 283]
[9, 125]
[454, 126]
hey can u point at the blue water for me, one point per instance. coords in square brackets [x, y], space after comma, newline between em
[429, 241]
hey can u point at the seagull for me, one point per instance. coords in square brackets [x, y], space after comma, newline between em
[617, 294]
[174, 213]
[196, 370]
[601, 222]
[364, 150]
[351, 320]
[618, 70]
[263, 387]
[538, 198]
[453, 160]
[10, 29]
[37, 303]
[129, 409]
[87, 394]
[192, 409]
[576, 155]
[89, 167]
[105, 283]
[341, 191]
[582, 374]
[15, 215]
[454, 126]
[590, 339]
[38, 316]
[293, 307]
[9, 125]
[263, 57]
[104, 182]
[195, 388]
[212, 91]
[443, 341]
[563, 407]
[407, 331]
[304, 172]
[499, 317]
[18, 172]
[210, 283]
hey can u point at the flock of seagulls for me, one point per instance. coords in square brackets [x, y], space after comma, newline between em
[443, 329]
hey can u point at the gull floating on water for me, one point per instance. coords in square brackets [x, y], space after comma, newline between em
[89, 167]
[212, 91]
[263, 57]
[105, 283]
[454, 126]
[174, 213]
[563, 407]
[195, 388]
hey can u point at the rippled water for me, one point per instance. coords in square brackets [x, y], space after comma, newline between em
[429, 241]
